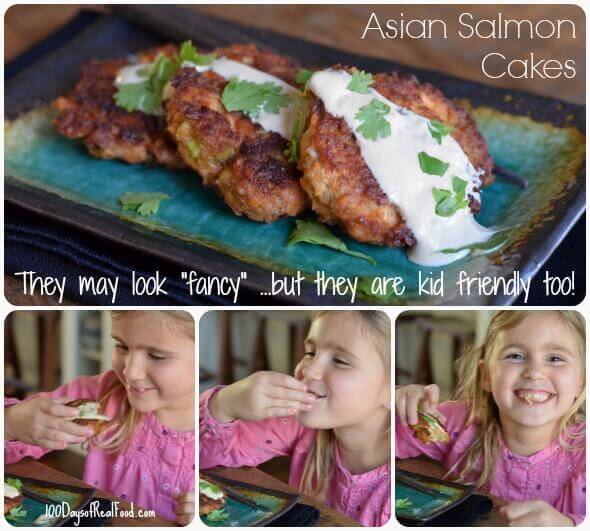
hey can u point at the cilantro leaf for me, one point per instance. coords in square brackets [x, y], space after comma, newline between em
[497, 240]
[403, 503]
[293, 148]
[317, 234]
[432, 165]
[147, 95]
[360, 82]
[14, 482]
[448, 202]
[365, 286]
[303, 76]
[438, 130]
[252, 98]
[217, 515]
[188, 53]
[144, 203]
[373, 122]
[17, 513]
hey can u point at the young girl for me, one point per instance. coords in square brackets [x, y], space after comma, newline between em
[517, 428]
[332, 418]
[146, 453]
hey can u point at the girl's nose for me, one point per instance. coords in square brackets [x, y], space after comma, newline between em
[534, 370]
[133, 367]
[312, 370]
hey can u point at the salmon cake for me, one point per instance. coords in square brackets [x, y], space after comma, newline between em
[89, 113]
[343, 188]
[230, 149]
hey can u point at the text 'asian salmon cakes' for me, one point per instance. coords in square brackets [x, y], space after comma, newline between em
[89, 113]
[342, 188]
[245, 163]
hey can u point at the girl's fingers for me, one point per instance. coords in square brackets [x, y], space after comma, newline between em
[63, 437]
[412, 401]
[51, 445]
[290, 394]
[516, 510]
[59, 410]
[185, 508]
[185, 519]
[70, 428]
[431, 400]
[285, 380]
[280, 412]
[289, 404]
[400, 407]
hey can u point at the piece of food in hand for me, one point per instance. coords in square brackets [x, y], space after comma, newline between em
[12, 495]
[89, 414]
[231, 122]
[429, 429]
[376, 150]
[211, 497]
[90, 113]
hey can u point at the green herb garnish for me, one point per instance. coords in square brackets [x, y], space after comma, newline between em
[438, 130]
[360, 82]
[253, 98]
[497, 240]
[373, 122]
[364, 286]
[317, 234]
[144, 203]
[303, 76]
[432, 165]
[16, 513]
[146, 96]
[448, 202]
[293, 150]
[218, 515]
[403, 503]
[14, 482]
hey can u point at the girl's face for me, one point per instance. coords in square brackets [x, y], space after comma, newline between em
[537, 373]
[155, 361]
[342, 366]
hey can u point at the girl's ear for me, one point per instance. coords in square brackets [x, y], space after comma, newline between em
[485, 377]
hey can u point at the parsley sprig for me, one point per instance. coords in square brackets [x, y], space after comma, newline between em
[146, 95]
[360, 82]
[302, 77]
[253, 98]
[144, 203]
[293, 150]
[317, 234]
[448, 202]
[438, 130]
[373, 120]
[432, 165]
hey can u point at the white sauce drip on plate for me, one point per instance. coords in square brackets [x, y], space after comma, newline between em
[10, 491]
[394, 163]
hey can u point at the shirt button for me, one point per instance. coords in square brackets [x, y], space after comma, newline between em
[538, 486]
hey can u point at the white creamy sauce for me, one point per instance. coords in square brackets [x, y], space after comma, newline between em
[210, 493]
[281, 122]
[10, 491]
[394, 163]
[130, 74]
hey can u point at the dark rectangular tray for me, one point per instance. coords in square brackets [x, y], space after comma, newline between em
[136, 27]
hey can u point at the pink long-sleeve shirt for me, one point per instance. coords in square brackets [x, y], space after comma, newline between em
[363, 497]
[554, 474]
[157, 464]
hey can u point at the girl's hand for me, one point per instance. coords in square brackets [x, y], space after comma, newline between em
[185, 508]
[261, 395]
[44, 422]
[409, 397]
[534, 513]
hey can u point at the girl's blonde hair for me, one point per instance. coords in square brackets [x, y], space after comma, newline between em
[120, 429]
[483, 410]
[317, 470]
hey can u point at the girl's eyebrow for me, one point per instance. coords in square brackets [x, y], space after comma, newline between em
[145, 347]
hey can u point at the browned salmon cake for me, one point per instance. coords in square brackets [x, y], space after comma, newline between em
[341, 186]
[89, 113]
[243, 162]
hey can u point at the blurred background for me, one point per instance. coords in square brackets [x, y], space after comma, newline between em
[45, 349]
[427, 343]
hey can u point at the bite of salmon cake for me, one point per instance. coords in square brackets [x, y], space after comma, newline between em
[230, 148]
[90, 113]
[343, 188]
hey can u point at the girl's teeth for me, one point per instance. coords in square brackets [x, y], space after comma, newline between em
[534, 397]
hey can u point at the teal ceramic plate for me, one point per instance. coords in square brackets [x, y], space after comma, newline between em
[536, 138]
[273, 504]
[75, 498]
[414, 505]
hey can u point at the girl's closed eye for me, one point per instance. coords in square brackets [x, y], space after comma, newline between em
[120, 347]
[157, 356]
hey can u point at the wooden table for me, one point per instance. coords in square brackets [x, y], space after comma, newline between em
[328, 516]
[33, 469]
[427, 467]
